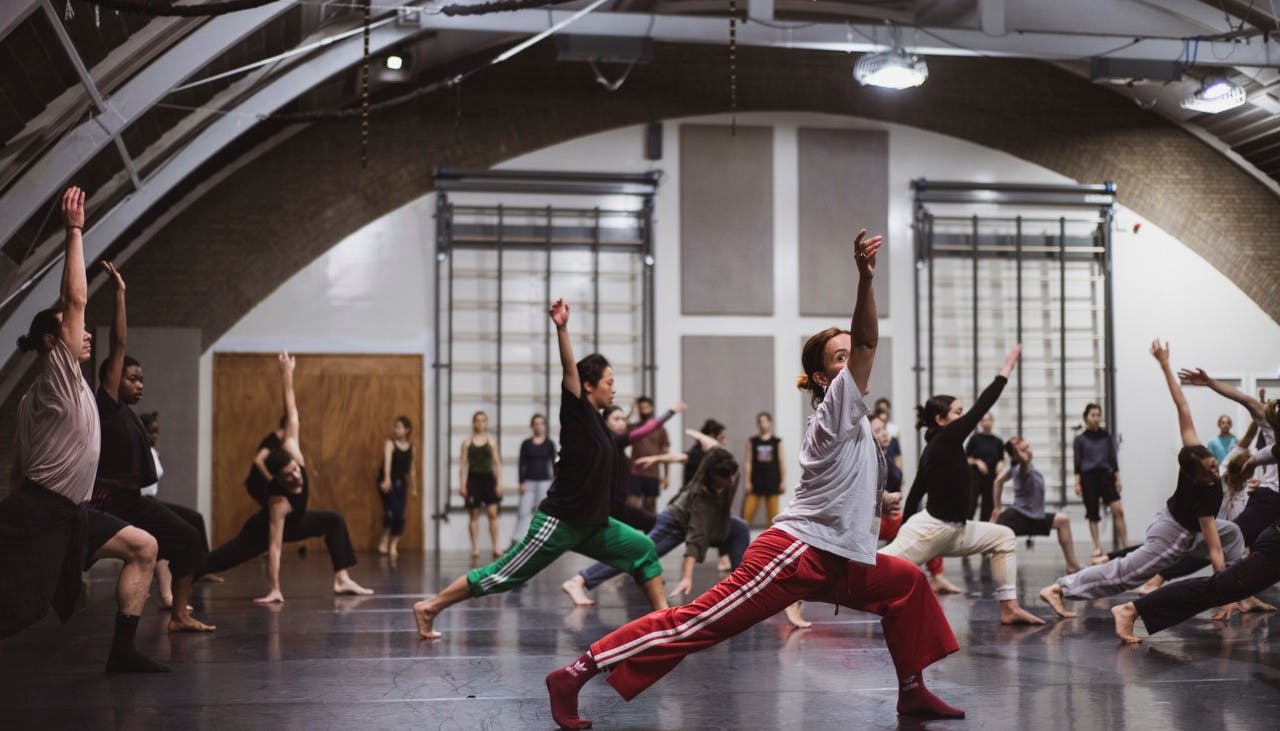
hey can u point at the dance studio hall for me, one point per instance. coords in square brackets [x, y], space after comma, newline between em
[639, 364]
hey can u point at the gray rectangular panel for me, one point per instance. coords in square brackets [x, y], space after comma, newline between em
[843, 186]
[729, 379]
[726, 220]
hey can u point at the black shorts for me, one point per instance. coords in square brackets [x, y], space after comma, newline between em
[641, 486]
[1097, 488]
[1021, 525]
[482, 489]
[100, 527]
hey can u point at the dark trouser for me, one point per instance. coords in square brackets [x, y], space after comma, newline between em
[1181, 601]
[634, 516]
[255, 536]
[666, 535]
[1262, 511]
[193, 518]
[393, 507]
[981, 494]
[179, 542]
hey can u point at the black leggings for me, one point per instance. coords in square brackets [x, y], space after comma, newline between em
[179, 542]
[193, 518]
[393, 507]
[981, 494]
[255, 537]
[1183, 600]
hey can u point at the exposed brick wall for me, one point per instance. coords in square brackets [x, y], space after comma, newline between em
[266, 221]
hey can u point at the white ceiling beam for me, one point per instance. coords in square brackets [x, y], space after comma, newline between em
[111, 224]
[991, 13]
[841, 37]
[76, 148]
[760, 9]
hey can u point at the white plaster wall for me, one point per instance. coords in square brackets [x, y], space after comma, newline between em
[372, 292]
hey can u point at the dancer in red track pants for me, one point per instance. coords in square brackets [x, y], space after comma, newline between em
[822, 548]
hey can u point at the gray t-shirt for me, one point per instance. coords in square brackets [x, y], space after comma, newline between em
[842, 471]
[1028, 492]
[59, 435]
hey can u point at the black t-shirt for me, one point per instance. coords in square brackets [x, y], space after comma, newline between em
[125, 461]
[581, 490]
[1194, 499]
[765, 472]
[988, 448]
[259, 487]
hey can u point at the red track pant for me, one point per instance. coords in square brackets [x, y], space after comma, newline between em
[889, 525]
[776, 571]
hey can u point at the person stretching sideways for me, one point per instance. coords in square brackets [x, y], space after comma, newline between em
[1187, 526]
[821, 548]
[943, 527]
[575, 515]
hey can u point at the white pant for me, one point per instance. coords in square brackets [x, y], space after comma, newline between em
[923, 536]
[535, 491]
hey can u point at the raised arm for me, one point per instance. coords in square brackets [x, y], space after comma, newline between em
[866, 319]
[968, 421]
[560, 316]
[1185, 426]
[287, 364]
[1197, 377]
[73, 294]
[119, 334]
[652, 425]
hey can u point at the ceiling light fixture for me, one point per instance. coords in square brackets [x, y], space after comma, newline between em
[1215, 95]
[894, 69]
[395, 63]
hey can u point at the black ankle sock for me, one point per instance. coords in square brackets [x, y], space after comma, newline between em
[125, 658]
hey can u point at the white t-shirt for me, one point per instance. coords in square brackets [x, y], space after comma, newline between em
[842, 471]
[59, 435]
[154, 488]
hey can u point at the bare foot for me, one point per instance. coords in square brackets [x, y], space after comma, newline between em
[1072, 568]
[1125, 615]
[725, 565]
[349, 586]
[189, 624]
[1099, 559]
[1052, 595]
[576, 588]
[1254, 604]
[273, 597]
[1155, 582]
[1012, 613]
[941, 585]
[425, 615]
[796, 619]
[394, 554]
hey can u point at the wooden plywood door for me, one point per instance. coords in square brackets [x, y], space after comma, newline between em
[346, 405]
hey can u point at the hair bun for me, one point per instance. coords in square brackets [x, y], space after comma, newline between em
[802, 382]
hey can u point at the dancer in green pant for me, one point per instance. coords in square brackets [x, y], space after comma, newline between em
[575, 515]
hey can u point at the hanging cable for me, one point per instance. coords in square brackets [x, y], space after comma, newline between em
[364, 91]
[733, 67]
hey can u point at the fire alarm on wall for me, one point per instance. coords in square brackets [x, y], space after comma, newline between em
[1137, 226]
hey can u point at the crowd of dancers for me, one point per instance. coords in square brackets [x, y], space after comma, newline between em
[854, 533]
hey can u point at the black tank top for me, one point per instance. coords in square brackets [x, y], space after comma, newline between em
[401, 463]
[765, 475]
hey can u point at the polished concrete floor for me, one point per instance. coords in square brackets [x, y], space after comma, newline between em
[325, 662]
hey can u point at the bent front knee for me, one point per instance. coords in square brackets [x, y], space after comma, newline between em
[141, 548]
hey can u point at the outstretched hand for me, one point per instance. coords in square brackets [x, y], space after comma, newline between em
[678, 408]
[1160, 351]
[114, 274]
[1196, 377]
[559, 313]
[73, 207]
[286, 362]
[1011, 360]
[865, 252]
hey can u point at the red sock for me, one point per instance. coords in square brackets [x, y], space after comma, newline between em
[563, 686]
[915, 700]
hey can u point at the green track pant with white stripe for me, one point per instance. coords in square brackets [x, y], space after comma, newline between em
[616, 544]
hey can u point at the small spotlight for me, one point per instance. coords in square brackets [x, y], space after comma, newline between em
[395, 63]
[1216, 95]
[894, 69]
[648, 260]
[441, 256]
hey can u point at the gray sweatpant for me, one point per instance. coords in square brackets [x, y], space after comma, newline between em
[1167, 543]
